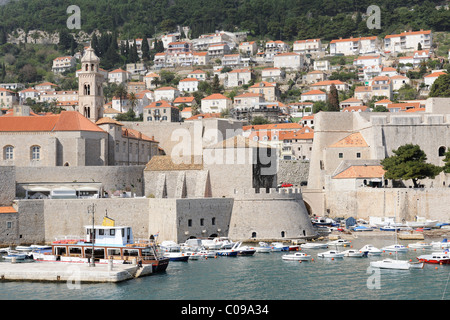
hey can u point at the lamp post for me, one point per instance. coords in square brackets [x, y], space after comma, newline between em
[91, 209]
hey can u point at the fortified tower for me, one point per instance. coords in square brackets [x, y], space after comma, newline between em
[90, 91]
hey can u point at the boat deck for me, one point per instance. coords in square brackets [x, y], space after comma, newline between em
[70, 272]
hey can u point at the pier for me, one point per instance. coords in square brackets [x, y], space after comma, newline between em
[71, 273]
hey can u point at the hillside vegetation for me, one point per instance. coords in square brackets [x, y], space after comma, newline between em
[275, 19]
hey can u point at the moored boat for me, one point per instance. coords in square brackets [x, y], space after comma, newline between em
[371, 250]
[396, 264]
[176, 256]
[420, 245]
[263, 247]
[355, 253]
[339, 242]
[243, 250]
[396, 248]
[331, 254]
[298, 256]
[312, 245]
[227, 252]
[278, 246]
[104, 244]
[435, 258]
[444, 244]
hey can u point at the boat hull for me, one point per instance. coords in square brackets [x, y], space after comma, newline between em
[227, 253]
[390, 264]
[289, 257]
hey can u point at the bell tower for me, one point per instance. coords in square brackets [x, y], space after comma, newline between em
[90, 90]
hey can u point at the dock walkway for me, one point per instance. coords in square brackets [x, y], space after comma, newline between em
[70, 272]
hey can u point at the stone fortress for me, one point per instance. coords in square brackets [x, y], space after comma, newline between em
[210, 180]
[345, 176]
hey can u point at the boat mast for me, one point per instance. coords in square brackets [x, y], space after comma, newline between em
[91, 209]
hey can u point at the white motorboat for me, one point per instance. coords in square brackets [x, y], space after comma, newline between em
[355, 253]
[226, 242]
[206, 253]
[420, 245]
[339, 242]
[396, 248]
[5, 250]
[279, 246]
[212, 244]
[176, 256]
[23, 248]
[170, 246]
[371, 250]
[396, 264]
[243, 250]
[444, 244]
[331, 254]
[263, 247]
[298, 256]
[421, 222]
[312, 245]
[435, 257]
[14, 254]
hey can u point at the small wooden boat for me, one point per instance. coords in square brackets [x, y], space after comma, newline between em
[298, 256]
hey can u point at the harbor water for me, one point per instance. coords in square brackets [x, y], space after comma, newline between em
[263, 276]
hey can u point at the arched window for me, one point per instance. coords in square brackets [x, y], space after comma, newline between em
[253, 234]
[441, 151]
[86, 67]
[283, 234]
[8, 153]
[35, 153]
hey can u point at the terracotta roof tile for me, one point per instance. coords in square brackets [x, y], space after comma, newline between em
[7, 210]
[359, 172]
[353, 140]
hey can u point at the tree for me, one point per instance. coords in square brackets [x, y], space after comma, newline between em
[319, 106]
[215, 86]
[446, 167]
[409, 162]
[441, 86]
[145, 49]
[333, 99]
[121, 93]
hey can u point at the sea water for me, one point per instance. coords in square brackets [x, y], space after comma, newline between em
[263, 276]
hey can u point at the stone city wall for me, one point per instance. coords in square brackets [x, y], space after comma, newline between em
[123, 178]
[406, 203]
[292, 171]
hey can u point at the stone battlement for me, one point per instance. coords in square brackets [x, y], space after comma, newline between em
[267, 193]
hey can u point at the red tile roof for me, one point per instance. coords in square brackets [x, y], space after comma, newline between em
[65, 121]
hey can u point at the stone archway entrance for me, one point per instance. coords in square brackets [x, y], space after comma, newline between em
[308, 208]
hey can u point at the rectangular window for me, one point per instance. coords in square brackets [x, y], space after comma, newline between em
[358, 155]
[9, 153]
[341, 155]
[36, 153]
[202, 221]
[189, 222]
